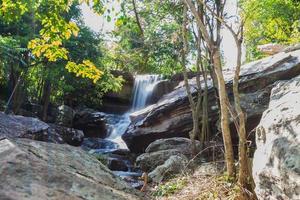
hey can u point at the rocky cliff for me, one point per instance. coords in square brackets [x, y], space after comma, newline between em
[171, 115]
[276, 165]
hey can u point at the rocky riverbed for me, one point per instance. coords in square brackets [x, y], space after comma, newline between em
[78, 155]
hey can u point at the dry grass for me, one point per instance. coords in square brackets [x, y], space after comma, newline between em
[208, 182]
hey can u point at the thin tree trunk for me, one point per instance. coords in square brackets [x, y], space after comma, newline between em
[216, 58]
[245, 178]
[184, 51]
[137, 18]
[12, 95]
[205, 127]
[229, 157]
[46, 99]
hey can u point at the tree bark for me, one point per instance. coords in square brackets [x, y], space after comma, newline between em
[46, 99]
[223, 98]
[245, 178]
[195, 107]
[137, 18]
[216, 58]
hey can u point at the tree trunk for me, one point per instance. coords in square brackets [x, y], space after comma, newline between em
[245, 179]
[223, 98]
[46, 99]
[195, 116]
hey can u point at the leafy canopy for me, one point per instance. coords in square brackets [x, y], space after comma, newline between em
[271, 21]
[55, 29]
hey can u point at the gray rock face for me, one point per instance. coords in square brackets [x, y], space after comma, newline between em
[276, 165]
[149, 161]
[180, 144]
[65, 116]
[174, 165]
[37, 170]
[159, 151]
[161, 88]
[171, 115]
[13, 126]
[61, 135]
[16, 126]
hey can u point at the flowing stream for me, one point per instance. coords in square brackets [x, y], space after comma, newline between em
[122, 164]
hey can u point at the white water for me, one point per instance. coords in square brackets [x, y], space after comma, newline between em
[142, 90]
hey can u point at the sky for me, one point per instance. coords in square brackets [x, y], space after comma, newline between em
[99, 23]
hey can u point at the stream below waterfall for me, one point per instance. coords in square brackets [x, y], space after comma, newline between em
[119, 157]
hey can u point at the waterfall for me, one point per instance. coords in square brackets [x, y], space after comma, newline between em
[142, 90]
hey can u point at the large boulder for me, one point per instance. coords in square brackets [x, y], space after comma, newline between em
[149, 161]
[91, 122]
[60, 134]
[159, 151]
[276, 165]
[174, 165]
[171, 115]
[178, 143]
[15, 126]
[37, 170]
[65, 116]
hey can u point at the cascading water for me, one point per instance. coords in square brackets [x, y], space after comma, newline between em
[142, 90]
[117, 125]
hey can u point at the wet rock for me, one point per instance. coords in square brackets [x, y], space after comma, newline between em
[276, 164]
[161, 88]
[171, 115]
[177, 78]
[99, 144]
[117, 164]
[65, 116]
[91, 122]
[131, 178]
[38, 170]
[291, 48]
[59, 134]
[174, 165]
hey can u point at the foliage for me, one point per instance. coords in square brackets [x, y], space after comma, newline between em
[55, 29]
[55, 42]
[271, 21]
[10, 49]
[156, 49]
[67, 88]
